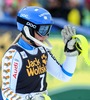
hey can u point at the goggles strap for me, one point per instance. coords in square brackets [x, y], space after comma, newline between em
[26, 22]
[48, 46]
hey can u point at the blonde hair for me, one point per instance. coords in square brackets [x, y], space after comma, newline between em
[16, 39]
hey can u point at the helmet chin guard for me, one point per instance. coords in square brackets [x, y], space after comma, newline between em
[28, 35]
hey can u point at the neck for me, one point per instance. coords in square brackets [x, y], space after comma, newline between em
[28, 41]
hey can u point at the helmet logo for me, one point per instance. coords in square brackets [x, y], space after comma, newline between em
[45, 17]
[31, 25]
[43, 14]
[24, 15]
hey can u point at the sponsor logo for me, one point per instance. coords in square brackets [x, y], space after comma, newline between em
[43, 14]
[36, 66]
[24, 15]
[31, 25]
[24, 55]
[15, 69]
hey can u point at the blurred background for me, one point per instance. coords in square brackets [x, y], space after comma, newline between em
[64, 12]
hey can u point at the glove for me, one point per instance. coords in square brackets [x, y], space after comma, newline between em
[70, 43]
[67, 33]
[27, 97]
[37, 96]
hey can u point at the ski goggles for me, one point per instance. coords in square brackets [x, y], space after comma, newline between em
[42, 30]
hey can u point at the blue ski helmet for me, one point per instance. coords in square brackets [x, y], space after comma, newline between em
[36, 18]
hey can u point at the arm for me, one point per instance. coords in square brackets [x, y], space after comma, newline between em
[65, 71]
[62, 72]
[11, 65]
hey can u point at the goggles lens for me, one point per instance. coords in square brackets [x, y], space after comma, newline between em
[44, 30]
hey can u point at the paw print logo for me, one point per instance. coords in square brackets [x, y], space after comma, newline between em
[44, 58]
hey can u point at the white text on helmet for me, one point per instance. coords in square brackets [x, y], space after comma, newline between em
[31, 25]
[24, 15]
[43, 14]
